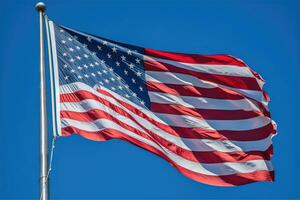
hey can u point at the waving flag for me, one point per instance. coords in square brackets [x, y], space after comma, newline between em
[206, 115]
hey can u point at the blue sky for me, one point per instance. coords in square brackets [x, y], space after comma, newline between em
[265, 34]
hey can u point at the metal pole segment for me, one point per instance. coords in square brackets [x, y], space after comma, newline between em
[40, 7]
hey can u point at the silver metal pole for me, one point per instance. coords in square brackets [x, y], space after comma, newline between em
[40, 7]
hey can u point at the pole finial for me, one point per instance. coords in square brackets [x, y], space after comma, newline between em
[40, 7]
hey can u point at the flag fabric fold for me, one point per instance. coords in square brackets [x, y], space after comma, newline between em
[207, 115]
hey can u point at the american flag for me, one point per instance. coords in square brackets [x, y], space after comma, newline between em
[206, 115]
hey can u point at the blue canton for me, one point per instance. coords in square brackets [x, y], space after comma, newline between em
[100, 62]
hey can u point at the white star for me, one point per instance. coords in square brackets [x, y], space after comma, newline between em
[65, 65]
[112, 79]
[120, 87]
[131, 66]
[125, 72]
[113, 88]
[63, 41]
[71, 49]
[61, 30]
[141, 88]
[117, 63]
[100, 73]
[133, 80]
[134, 94]
[126, 95]
[138, 73]
[93, 74]
[104, 42]
[78, 57]
[72, 71]
[123, 58]
[126, 86]
[70, 39]
[80, 68]
[102, 61]
[85, 55]
[129, 52]
[119, 78]
[66, 77]
[91, 64]
[86, 76]
[106, 81]
[101, 83]
[71, 60]
[94, 53]
[64, 54]
[104, 71]
[85, 66]
[110, 69]
[137, 60]
[142, 102]
[108, 55]
[89, 39]
[96, 63]
[80, 77]
[77, 47]
[99, 48]
[84, 45]
[114, 49]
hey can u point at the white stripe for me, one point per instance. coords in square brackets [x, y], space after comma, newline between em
[184, 79]
[214, 169]
[232, 125]
[203, 102]
[226, 70]
[201, 145]
[178, 79]
[56, 77]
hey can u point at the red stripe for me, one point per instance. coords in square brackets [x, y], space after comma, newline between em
[220, 59]
[201, 133]
[203, 157]
[190, 90]
[216, 93]
[248, 83]
[196, 58]
[224, 180]
[197, 133]
[250, 135]
[204, 113]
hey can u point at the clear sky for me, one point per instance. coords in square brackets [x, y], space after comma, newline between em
[265, 34]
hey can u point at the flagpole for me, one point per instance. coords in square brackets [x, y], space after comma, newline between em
[40, 7]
